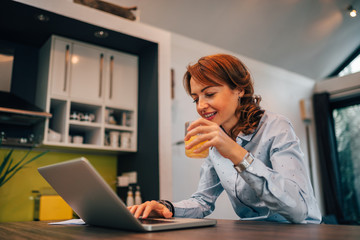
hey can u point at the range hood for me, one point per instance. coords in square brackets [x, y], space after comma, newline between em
[16, 111]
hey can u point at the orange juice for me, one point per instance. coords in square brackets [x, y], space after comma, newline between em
[190, 152]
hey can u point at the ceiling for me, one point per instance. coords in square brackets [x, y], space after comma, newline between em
[308, 37]
[19, 25]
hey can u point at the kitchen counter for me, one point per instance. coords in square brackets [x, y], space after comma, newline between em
[225, 229]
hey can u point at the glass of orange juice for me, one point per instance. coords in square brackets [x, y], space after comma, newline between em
[190, 152]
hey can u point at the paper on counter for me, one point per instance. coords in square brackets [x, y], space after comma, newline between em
[69, 222]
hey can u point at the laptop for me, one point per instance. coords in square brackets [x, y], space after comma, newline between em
[93, 200]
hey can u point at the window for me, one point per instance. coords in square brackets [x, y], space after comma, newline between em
[349, 66]
[352, 67]
[346, 115]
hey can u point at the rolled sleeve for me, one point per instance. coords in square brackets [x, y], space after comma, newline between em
[202, 202]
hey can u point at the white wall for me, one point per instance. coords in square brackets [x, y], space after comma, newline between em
[280, 90]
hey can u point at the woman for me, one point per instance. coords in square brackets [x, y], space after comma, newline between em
[254, 156]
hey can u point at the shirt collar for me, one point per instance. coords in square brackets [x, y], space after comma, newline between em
[247, 138]
[250, 136]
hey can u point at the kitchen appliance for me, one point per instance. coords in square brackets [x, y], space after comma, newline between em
[18, 120]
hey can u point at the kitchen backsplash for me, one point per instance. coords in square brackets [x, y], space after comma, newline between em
[16, 200]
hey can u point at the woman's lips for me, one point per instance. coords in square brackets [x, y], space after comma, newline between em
[209, 116]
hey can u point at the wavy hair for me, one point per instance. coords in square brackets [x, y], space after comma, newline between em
[221, 69]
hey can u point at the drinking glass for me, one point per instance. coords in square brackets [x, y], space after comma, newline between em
[190, 152]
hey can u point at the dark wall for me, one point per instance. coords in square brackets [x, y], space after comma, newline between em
[19, 25]
[146, 160]
[25, 66]
[23, 85]
[24, 71]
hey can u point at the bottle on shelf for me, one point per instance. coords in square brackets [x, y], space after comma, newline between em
[130, 197]
[138, 199]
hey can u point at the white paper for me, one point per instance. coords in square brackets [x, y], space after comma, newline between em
[71, 222]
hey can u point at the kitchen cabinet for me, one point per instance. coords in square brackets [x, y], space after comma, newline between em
[122, 71]
[73, 67]
[87, 73]
[152, 118]
[91, 92]
[60, 73]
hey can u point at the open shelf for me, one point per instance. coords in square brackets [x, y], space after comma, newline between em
[56, 123]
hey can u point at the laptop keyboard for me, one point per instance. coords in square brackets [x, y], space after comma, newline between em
[154, 221]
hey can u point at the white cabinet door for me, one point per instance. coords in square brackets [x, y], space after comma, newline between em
[122, 82]
[87, 73]
[60, 71]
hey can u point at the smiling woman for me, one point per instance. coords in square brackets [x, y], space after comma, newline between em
[254, 154]
[233, 82]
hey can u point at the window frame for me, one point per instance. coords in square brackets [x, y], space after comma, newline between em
[337, 103]
[344, 101]
[347, 61]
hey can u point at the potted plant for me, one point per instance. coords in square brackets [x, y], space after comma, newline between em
[8, 167]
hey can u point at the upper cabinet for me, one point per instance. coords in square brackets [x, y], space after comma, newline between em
[105, 74]
[92, 93]
[87, 72]
[121, 83]
[61, 73]
[150, 120]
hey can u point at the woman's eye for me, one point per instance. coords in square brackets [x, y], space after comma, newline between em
[209, 94]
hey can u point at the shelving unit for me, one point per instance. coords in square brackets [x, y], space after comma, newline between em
[152, 111]
[89, 116]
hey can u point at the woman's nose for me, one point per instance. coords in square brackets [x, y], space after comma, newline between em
[202, 104]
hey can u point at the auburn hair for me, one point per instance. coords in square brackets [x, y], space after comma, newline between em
[221, 69]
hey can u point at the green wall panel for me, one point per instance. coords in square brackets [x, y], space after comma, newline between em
[16, 201]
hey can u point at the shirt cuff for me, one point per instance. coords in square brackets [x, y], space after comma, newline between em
[169, 205]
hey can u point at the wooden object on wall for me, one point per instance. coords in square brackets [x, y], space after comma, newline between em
[124, 12]
[172, 83]
[305, 110]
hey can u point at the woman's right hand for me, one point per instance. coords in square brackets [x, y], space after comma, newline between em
[150, 209]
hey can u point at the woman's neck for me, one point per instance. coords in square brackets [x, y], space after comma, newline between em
[237, 131]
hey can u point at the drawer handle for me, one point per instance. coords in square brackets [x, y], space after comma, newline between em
[67, 60]
[101, 73]
[111, 76]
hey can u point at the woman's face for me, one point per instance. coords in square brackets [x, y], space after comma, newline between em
[216, 103]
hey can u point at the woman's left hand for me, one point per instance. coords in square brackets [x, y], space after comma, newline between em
[215, 137]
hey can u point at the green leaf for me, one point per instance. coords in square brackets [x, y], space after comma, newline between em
[6, 159]
[34, 158]
[12, 170]
[6, 172]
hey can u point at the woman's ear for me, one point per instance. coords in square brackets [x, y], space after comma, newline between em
[241, 93]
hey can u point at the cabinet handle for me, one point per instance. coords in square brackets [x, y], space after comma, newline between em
[67, 60]
[101, 73]
[111, 75]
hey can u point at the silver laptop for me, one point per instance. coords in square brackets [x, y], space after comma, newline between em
[82, 187]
